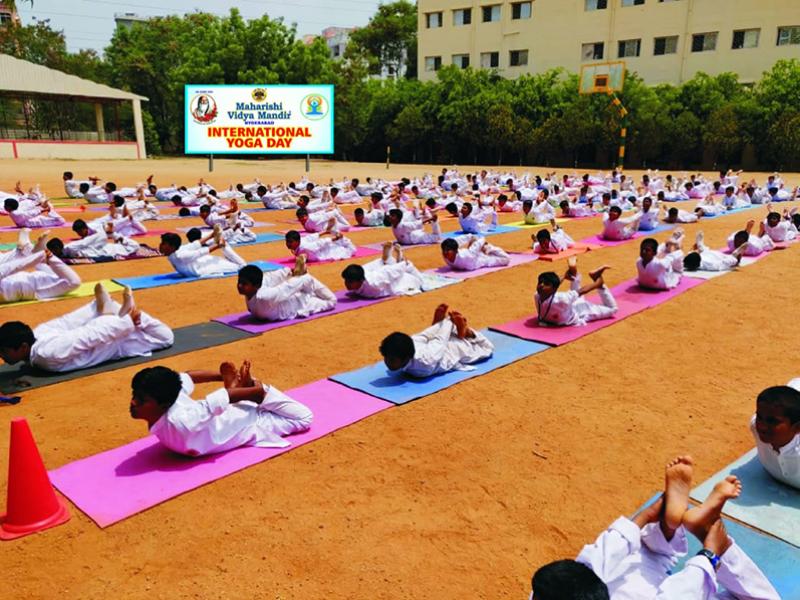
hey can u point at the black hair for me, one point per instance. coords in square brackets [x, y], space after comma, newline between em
[691, 262]
[354, 181]
[15, 333]
[449, 244]
[10, 205]
[397, 345]
[68, 175]
[615, 209]
[301, 212]
[194, 234]
[796, 220]
[774, 215]
[430, 202]
[386, 221]
[468, 206]
[551, 278]
[672, 212]
[160, 383]
[785, 397]
[353, 273]
[730, 188]
[527, 204]
[261, 190]
[84, 187]
[567, 580]
[334, 191]
[118, 201]
[111, 186]
[773, 191]
[376, 196]
[292, 236]
[451, 207]
[176, 199]
[173, 239]
[542, 235]
[252, 275]
[184, 211]
[358, 211]
[563, 204]
[546, 193]
[649, 243]
[502, 198]
[396, 212]
[741, 237]
[56, 246]
[205, 208]
[78, 225]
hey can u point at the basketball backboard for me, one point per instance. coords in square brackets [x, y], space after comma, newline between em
[602, 78]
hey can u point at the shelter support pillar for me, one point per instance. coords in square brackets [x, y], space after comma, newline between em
[141, 151]
[98, 116]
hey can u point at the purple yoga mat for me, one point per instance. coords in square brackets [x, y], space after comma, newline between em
[516, 259]
[116, 484]
[630, 298]
[361, 252]
[246, 322]
[599, 241]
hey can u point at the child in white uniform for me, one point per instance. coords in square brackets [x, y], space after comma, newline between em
[476, 221]
[244, 412]
[617, 228]
[545, 242]
[660, 269]
[776, 429]
[316, 247]
[50, 279]
[96, 333]
[409, 231]
[756, 244]
[195, 260]
[283, 294]
[572, 308]
[704, 259]
[447, 345]
[41, 215]
[472, 252]
[779, 230]
[386, 276]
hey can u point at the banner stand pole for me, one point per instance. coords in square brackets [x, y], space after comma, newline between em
[308, 163]
[210, 163]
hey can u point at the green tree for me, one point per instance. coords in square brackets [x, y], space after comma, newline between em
[389, 40]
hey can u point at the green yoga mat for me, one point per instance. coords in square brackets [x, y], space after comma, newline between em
[187, 339]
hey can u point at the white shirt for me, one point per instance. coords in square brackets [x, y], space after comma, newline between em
[381, 280]
[438, 350]
[783, 465]
[755, 245]
[318, 248]
[784, 231]
[659, 273]
[212, 425]
[194, 260]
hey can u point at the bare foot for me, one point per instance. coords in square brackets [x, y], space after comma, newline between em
[386, 248]
[749, 226]
[397, 252]
[717, 539]
[24, 239]
[102, 301]
[462, 329]
[230, 376]
[699, 241]
[598, 273]
[700, 518]
[127, 301]
[677, 484]
[300, 265]
[440, 313]
[572, 267]
[41, 242]
[245, 378]
[651, 514]
[218, 234]
[136, 316]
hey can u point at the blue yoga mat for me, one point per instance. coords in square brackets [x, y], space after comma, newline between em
[731, 212]
[262, 238]
[375, 380]
[658, 229]
[143, 282]
[765, 503]
[779, 561]
[496, 230]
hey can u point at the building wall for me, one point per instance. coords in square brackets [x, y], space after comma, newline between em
[557, 29]
[72, 150]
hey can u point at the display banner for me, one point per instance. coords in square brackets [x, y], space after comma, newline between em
[259, 119]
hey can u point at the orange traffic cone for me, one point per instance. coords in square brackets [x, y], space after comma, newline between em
[32, 503]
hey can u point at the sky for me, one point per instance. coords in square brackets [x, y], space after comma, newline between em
[90, 23]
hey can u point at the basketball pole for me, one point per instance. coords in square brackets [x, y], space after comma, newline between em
[623, 113]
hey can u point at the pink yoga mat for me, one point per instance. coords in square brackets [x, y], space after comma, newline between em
[516, 259]
[630, 298]
[599, 241]
[116, 484]
[361, 252]
[578, 248]
[246, 322]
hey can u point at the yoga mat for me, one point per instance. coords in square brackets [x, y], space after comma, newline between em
[119, 483]
[630, 298]
[84, 290]
[7, 247]
[599, 241]
[144, 251]
[578, 248]
[376, 381]
[187, 339]
[207, 228]
[262, 238]
[495, 231]
[143, 282]
[246, 322]
[361, 252]
[535, 225]
[777, 560]
[516, 259]
[730, 212]
[746, 261]
[765, 503]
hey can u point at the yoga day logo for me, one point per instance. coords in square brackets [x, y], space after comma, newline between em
[314, 107]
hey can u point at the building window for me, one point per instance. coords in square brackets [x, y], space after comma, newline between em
[518, 58]
[665, 45]
[461, 60]
[632, 2]
[745, 38]
[433, 20]
[596, 4]
[788, 36]
[629, 48]
[704, 42]
[490, 60]
[433, 63]
[491, 13]
[593, 51]
[521, 10]
[462, 16]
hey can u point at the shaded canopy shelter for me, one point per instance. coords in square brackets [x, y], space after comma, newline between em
[45, 95]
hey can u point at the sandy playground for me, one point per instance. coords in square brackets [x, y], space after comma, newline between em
[459, 494]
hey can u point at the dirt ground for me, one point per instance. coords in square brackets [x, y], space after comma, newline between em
[459, 494]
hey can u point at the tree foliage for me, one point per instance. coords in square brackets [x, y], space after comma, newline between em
[389, 41]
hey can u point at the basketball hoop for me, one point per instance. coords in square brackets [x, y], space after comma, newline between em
[607, 78]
